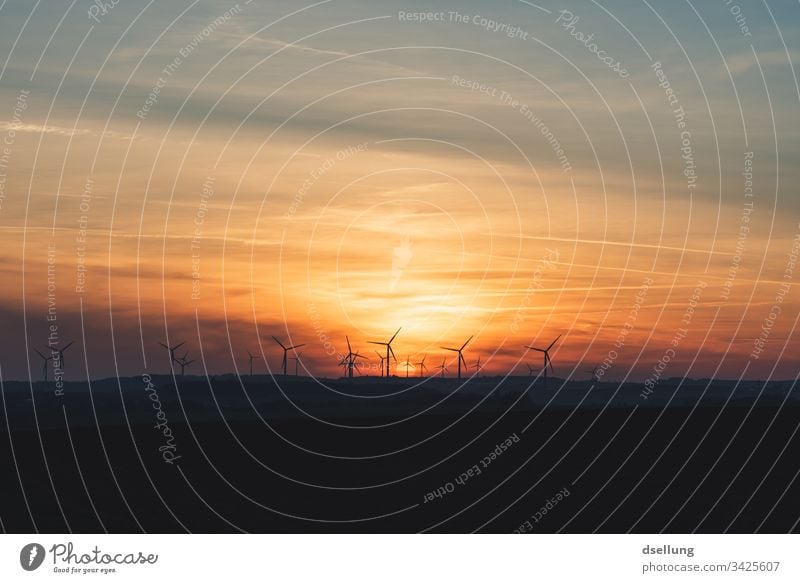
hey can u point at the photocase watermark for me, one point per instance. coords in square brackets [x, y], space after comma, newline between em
[320, 331]
[568, 20]
[627, 327]
[494, 26]
[551, 503]
[319, 172]
[474, 471]
[7, 144]
[736, 11]
[84, 206]
[325, 340]
[401, 257]
[546, 263]
[96, 559]
[780, 296]
[168, 449]
[184, 52]
[53, 337]
[100, 8]
[32, 556]
[744, 226]
[520, 107]
[206, 193]
[670, 353]
[679, 114]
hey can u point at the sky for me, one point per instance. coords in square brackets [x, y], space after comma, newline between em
[621, 174]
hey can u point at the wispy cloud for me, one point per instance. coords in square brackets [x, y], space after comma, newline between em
[30, 128]
[744, 62]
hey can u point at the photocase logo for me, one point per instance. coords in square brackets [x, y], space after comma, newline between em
[401, 256]
[31, 556]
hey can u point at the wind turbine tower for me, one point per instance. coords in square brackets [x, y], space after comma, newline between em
[460, 358]
[546, 355]
[286, 349]
[389, 351]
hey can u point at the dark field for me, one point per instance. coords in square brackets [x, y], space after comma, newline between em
[691, 458]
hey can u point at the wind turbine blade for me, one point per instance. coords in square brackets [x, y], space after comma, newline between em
[67, 346]
[461, 356]
[539, 350]
[279, 342]
[348, 344]
[295, 346]
[391, 351]
[164, 345]
[395, 335]
[177, 346]
[250, 355]
[553, 342]
[39, 353]
[463, 346]
[451, 349]
[374, 342]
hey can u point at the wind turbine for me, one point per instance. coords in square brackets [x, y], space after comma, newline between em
[421, 365]
[296, 359]
[546, 355]
[442, 368]
[350, 359]
[183, 362]
[593, 372]
[530, 370]
[460, 358]
[406, 364]
[250, 359]
[285, 350]
[382, 357]
[45, 359]
[60, 353]
[389, 351]
[477, 366]
[172, 352]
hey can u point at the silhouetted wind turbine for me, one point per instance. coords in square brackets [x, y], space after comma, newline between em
[60, 353]
[442, 368]
[460, 358]
[296, 359]
[285, 350]
[546, 355]
[382, 357]
[421, 365]
[593, 372]
[530, 370]
[350, 359]
[172, 352]
[45, 359]
[477, 366]
[389, 351]
[183, 362]
[250, 359]
[407, 364]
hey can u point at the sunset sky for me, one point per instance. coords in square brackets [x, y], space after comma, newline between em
[227, 172]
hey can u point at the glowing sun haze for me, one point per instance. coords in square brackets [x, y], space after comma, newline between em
[343, 171]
